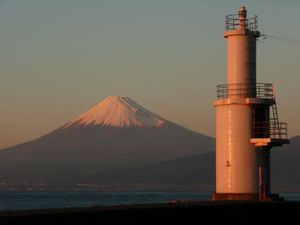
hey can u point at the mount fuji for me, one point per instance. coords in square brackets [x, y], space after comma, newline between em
[116, 135]
[118, 112]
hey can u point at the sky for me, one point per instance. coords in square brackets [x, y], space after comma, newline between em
[58, 58]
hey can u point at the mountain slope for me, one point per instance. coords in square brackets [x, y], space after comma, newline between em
[188, 173]
[116, 134]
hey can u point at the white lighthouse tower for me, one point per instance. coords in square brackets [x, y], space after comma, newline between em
[247, 125]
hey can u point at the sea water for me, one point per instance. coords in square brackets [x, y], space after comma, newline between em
[46, 200]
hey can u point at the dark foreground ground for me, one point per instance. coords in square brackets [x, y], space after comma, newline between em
[184, 213]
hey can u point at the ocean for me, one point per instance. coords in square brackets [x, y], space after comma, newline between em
[46, 200]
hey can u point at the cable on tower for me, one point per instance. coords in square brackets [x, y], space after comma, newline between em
[284, 39]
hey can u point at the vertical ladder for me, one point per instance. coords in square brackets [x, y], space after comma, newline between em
[275, 120]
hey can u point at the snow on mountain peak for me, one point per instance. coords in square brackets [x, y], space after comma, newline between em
[117, 111]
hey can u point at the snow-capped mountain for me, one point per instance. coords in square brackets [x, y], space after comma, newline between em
[118, 111]
[116, 134]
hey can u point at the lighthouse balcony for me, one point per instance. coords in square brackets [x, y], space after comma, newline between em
[235, 22]
[270, 133]
[245, 90]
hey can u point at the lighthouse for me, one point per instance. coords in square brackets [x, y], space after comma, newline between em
[247, 124]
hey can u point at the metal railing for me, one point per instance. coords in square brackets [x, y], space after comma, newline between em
[245, 90]
[271, 129]
[233, 22]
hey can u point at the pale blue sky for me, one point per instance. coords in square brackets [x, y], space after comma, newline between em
[60, 57]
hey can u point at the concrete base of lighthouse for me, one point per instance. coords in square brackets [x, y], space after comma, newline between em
[245, 197]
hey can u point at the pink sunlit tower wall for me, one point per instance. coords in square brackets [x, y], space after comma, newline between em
[247, 125]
